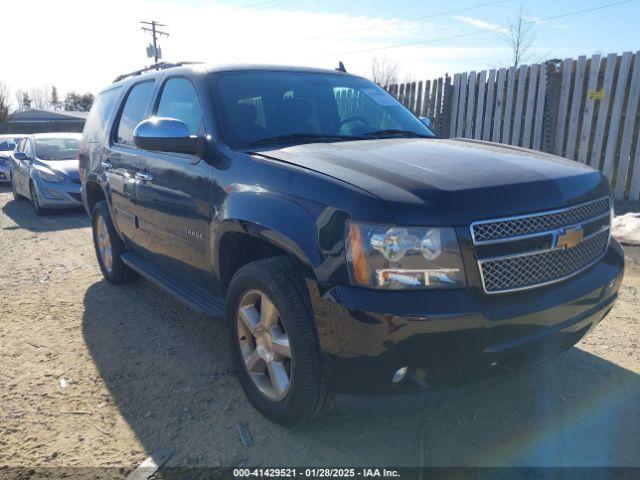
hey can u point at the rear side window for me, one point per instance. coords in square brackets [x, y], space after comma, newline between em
[100, 113]
[7, 144]
[179, 100]
[133, 112]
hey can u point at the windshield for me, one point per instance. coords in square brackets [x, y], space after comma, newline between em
[57, 148]
[278, 107]
[8, 144]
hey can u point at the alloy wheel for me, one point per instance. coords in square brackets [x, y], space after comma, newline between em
[103, 242]
[264, 344]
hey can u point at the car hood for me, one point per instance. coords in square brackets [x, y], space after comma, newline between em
[450, 182]
[67, 167]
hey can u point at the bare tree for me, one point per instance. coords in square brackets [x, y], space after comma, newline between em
[384, 71]
[40, 97]
[4, 102]
[520, 35]
[23, 100]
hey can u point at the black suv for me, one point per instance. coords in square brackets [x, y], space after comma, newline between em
[357, 258]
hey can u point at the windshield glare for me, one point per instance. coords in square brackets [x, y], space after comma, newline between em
[271, 105]
[57, 148]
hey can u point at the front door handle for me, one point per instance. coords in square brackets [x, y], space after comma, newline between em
[106, 164]
[145, 177]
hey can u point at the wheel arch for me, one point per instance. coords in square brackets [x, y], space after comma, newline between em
[262, 226]
[93, 194]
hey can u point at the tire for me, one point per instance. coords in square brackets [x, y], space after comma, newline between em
[35, 202]
[109, 254]
[307, 396]
[14, 191]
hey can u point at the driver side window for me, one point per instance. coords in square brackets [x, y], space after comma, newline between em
[180, 101]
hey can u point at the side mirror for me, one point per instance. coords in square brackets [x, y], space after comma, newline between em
[165, 135]
[426, 121]
[23, 156]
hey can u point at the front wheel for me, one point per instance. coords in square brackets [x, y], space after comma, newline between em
[273, 341]
[109, 246]
[14, 189]
[35, 201]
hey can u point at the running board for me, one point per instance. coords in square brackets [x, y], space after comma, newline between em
[186, 293]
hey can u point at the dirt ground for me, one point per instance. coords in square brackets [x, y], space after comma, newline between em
[93, 374]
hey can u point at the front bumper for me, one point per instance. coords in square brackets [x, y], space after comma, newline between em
[65, 194]
[452, 338]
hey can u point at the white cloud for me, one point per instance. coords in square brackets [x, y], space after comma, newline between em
[83, 45]
[476, 22]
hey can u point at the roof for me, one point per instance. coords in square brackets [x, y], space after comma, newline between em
[269, 68]
[215, 68]
[41, 115]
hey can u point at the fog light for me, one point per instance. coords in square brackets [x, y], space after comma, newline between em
[399, 375]
[53, 194]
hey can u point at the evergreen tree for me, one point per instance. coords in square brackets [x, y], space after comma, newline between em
[55, 101]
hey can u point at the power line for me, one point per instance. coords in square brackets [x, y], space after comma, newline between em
[478, 32]
[155, 33]
[415, 20]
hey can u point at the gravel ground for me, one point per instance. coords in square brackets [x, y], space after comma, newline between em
[96, 375]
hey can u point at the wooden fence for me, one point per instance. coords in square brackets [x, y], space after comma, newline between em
[427, 99]
[584, 109]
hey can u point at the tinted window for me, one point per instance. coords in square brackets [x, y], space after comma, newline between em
[8, 143]
[57, 148]
[133, 112]
[179, 100]
[258, 106]
[101, 110]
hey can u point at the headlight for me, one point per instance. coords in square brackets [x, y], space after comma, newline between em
[404, 257]
[48, 175]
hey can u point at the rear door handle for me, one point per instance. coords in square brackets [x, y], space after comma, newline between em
[106, 164]
[145, 177]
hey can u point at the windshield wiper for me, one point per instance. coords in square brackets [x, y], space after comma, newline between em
[394, 131]
[302, 137]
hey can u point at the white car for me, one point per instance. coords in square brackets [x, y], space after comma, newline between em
[7, 146]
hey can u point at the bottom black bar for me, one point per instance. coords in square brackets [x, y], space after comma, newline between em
[317, 473]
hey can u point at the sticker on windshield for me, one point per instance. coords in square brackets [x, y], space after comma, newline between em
[381, 97]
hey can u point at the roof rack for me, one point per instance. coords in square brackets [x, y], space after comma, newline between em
[155, 66]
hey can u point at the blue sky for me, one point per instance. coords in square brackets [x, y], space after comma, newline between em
[610, 30]
[73, 51]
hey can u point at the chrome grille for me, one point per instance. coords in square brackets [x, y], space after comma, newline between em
[537, 269]
[488, 231]
[518, 262]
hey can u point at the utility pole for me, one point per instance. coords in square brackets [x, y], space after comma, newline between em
[155, 33]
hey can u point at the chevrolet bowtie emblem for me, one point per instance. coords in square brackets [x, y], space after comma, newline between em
[568, 238]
